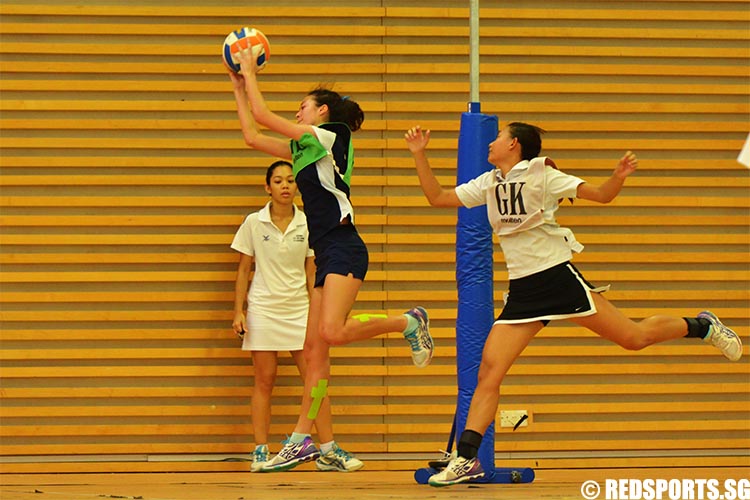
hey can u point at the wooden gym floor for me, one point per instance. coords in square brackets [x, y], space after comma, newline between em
[309, 485]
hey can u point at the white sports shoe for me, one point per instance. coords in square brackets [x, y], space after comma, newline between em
[722, 337]
[260, 457]
[459, 470]
[419, 338]
[338, 460]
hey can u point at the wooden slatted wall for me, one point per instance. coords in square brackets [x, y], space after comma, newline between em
[124, 178]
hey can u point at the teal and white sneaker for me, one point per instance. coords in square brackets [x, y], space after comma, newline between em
[291, 455]
[419, 338]
[722, 337]
[459, 470]
[260, 457]
[338, 460]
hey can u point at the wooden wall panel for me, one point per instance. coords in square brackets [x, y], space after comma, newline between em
[124, 177]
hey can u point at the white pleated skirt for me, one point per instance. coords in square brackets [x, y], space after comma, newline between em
[266, 333]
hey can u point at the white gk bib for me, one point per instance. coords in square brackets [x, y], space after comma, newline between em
[517, 204]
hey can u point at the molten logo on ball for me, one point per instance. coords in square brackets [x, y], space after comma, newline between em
[243, 39]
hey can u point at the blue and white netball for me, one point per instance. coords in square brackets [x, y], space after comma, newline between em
[242, 39]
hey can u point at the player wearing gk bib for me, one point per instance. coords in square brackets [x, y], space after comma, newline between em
[322, 153]
[522, 195]
[275, 241]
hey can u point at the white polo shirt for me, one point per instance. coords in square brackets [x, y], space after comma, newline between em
[279, 286]
[538, 248]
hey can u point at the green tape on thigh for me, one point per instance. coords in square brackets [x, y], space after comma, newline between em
[318, 393]
[365, 317]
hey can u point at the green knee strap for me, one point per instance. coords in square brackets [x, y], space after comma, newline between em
[365, 317]
[318, 393]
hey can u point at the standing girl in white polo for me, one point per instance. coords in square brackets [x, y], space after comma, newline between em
[275, 241]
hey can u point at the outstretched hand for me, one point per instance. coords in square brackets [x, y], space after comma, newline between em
[627, 165]
[416, 139]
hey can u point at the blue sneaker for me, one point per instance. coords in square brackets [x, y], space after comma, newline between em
[291, 455]
[338, 460]
[459, 470]
[419, 338]
[722, 337]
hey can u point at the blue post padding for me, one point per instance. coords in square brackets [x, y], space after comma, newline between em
[474, 274]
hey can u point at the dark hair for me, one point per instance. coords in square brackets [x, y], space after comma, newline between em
[274, 166]
[340, 109]
[530, 138]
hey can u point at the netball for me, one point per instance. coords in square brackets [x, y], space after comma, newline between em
[242, 39]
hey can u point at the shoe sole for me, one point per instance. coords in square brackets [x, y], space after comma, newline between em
[450, 483]
[333, 468]
[291, 464]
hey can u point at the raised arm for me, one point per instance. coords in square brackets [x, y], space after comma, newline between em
[612, 186]
[253, 137]
[260, 110]
[438, 196]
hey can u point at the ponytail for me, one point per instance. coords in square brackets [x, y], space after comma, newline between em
[340, 109]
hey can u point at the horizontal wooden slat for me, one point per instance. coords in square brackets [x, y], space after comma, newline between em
[738, 275]
[369, 238]
[556, 106]
[115, 10]
[353, 49]
[95, 333]
[601, 350]
[130, 467]
[171, 392]
[446, 106]
[148, 447]
[583, 408]
[164, 49]
[571, 33]
[654, 443]
[612, 428]
[106, 162]
[397, 126]
[640, 408]
[162, 430]
[109, 372]
[138, 239]
[185, 68]
[394, 447]
[173, 410]
[364, 428]
[160, 30]
[572, 12]
[119, 297]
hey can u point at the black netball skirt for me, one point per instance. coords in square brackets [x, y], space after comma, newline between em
[556, 293]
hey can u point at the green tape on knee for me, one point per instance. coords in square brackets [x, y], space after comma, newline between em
[364, 318]
[318, 393]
